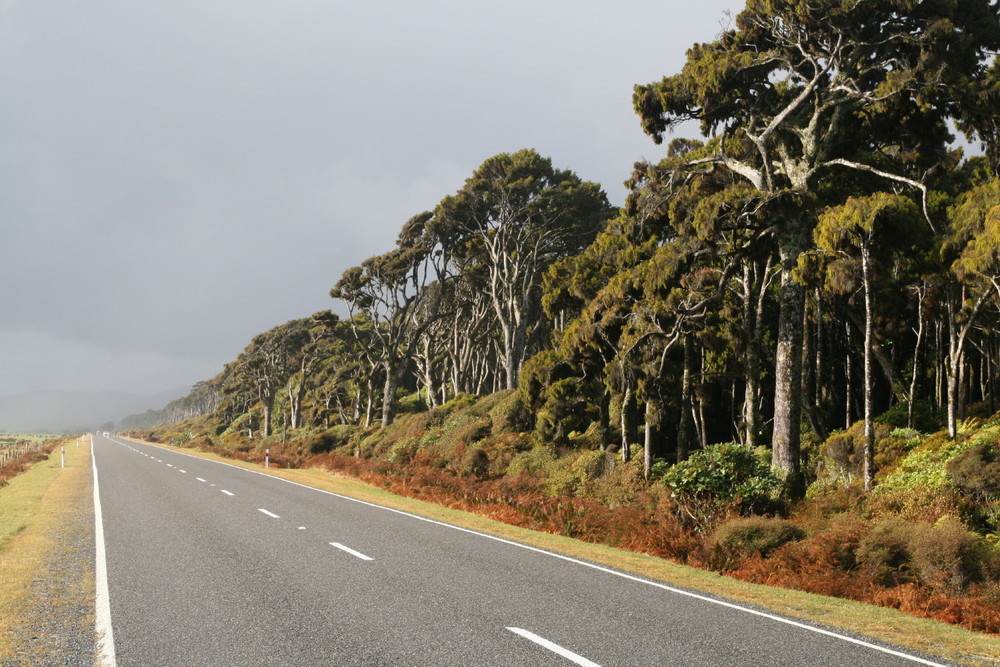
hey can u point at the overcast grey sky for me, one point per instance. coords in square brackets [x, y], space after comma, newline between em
[176, 177]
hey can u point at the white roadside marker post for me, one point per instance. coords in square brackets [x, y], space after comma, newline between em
[267, 458]
[62, 456]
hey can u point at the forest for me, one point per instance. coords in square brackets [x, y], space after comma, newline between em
[779, 359]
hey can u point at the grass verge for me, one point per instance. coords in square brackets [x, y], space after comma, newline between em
[887, 625]
[33, 508]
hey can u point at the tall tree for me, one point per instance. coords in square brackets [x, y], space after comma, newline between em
[514, 217]
[856, 231]
[974, 242]
[801, 90]
[391, 290]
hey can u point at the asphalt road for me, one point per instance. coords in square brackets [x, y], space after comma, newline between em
[210, 564]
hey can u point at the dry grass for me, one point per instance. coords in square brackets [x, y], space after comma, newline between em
[33, 506]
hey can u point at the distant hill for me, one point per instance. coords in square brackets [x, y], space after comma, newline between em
[73, 412]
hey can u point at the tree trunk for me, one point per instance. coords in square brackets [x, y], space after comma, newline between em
[954, 365]
[755, 288]
[821, 389]
[626, 422]
[785, 442]
[921, 291]
[848, 377]
[370, 398]
[428, 374]
[687, 404]
[869, 446]
[648, 439]
[266, 409]
[389, 394]
[957, 336]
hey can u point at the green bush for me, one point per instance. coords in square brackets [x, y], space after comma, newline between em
[924, 467]
[330, 439]
[590, 465]
[723, 476]
[402, 451]
[460, 432]
[924, 417]
[757, 534]
[411, 403]
[976, 474]
[842, 455]
[475, 462]
[533, 463]
[592, 438]
[976, 471]
[561, 400]
[511, 415]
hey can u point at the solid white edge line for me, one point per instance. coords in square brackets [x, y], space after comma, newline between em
[600, 568]
[555, 648]
[102, 605]
[351, 551]
[270, 514]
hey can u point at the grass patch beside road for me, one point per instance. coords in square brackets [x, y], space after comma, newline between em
[887, 625]
[33, 507]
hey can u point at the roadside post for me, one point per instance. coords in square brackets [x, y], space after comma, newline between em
[62, 456]
[267, 457]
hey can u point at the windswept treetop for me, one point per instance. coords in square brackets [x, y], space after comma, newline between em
[803, 85]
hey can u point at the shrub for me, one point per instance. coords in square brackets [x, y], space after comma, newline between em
[402, 451]
[561, 400]
[411, 403]
[502, 448]
[757, 534]
[722, 476]
[533, 463]
[620, 485]
[948, 554]
[976, 471]
[589, 465]
[460, 432]
[924, 467]
[843, 452]
[592, 438]
[325, 441]
[883, 554]
[924, 417]
[475, 462]
[976, 475]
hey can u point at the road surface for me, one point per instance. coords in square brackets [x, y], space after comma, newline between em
[211, 564]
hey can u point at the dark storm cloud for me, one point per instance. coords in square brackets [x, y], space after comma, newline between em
[177, 177]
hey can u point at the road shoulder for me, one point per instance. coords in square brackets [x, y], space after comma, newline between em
[51, 620]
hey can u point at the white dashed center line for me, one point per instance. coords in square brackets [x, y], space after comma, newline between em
[354, 553]
[555, 648]
[199, 479]
[228, 493]
[270, 514]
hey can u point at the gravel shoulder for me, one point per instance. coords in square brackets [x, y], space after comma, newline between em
[58, 618]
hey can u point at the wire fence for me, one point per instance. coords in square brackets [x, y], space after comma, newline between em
[11, 453]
